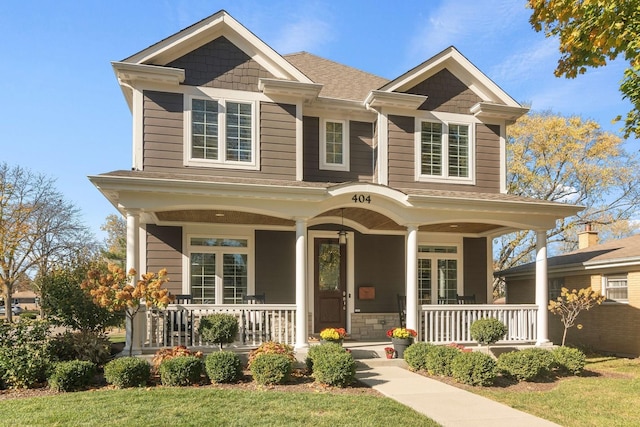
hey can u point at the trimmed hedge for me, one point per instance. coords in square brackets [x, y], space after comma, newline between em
[439, 359]
[181, 371]
[223, 367]
[334, 368]
[319, 350]
[127, 372]
[569, 360]
[72, 375]
[416, 355]
[474, 368]
[488, 331]
[526, 365]
[219, 328]
[270, 369]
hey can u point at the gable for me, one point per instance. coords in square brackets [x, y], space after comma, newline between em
[221, 64]
[445, 93]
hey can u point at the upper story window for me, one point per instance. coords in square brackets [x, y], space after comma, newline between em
[444, 152]
[221, 133]
[615, 287]
[334, 145]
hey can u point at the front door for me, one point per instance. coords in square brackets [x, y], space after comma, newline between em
[329, 284]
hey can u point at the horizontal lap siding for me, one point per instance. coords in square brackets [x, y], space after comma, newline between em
[488, 158]
[278, 141]
[401, 152]
[163, 130]
[164, 250]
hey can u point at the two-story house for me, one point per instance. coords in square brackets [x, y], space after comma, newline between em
[328, 189]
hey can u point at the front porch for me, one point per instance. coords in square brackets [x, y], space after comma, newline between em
[258, 323]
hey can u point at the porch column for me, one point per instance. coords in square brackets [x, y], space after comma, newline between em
[302, 303]
[542, 285]
[133, 261]
[412, 277]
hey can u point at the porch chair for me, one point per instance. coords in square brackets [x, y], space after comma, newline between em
[402, 309]
[255, 323]
[466, 299]
[180, 323]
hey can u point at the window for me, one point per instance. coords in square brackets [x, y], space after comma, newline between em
[437, 274]
[221, 132]
[444, 151]
[555, 288]
[615, 287]
[218, 272]
[334, 145]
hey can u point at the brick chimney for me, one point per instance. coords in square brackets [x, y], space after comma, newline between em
[588, 237]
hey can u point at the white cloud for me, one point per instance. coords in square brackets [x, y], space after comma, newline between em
[303, 34]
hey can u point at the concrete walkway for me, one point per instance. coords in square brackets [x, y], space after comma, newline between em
[445, 404]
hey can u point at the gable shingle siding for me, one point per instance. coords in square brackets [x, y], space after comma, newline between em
[445, 93]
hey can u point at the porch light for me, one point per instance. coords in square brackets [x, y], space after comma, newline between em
[342, 234]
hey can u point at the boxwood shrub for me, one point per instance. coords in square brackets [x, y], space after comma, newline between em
[474, 368]
[223, 367]
[487, 331]
[219, 328]
[270, 369]
[439, 359]
[72, 375]
[181, 371]
[318, 350]
[416, 355]
[526, 365]
[335, 368]
[127, 372]
[569, 360]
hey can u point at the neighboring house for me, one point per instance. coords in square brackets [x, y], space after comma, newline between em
[611, 268]
[326, 188]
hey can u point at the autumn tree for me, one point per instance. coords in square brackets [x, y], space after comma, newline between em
[568, 160]
[38, 228]
[118, 291]
[590, 33]
[571, 303]
[116, 241]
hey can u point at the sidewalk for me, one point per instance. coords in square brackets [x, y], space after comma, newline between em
[445, 404]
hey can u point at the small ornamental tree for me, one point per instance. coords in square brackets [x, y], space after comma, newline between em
[569, 304]
[117, 291]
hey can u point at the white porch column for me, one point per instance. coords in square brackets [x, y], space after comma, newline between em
[134, 343]
[542, 285]
[412, 277]
[302, 301]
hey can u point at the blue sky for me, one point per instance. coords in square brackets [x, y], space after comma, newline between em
[62, 113]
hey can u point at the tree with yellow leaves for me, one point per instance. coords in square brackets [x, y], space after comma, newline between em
[117, 291]
[570, 303]
[592, 32]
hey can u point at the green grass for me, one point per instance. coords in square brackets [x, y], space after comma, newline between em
[607, 394]
[198, 406]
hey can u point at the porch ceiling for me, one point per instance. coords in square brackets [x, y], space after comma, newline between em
[222, 217]
[370, 219]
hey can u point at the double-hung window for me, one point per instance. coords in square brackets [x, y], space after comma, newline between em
[444, 151]
[334, 145]
[615, 287]
[221, 132]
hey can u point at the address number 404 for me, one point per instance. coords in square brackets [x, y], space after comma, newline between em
[361, 198]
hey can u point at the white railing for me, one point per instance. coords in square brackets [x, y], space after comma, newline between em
[442, 324]
[258, 323]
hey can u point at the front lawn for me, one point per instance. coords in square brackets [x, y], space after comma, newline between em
[207, 406]
[608, 393]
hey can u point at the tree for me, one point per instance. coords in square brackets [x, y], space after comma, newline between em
[118, 292]
[591, 32]
[568, 159]
[569, 305]
[38, 228]
[116, 241]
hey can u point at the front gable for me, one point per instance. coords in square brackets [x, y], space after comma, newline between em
[446, 93]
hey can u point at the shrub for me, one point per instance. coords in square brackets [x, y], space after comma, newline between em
[219, 328]
[438, 360]
[318, 350]
[127, 372]
[72, 375]
[569, 360]
[272, 347]
[90, 346]
[223, 367]
[474, 369]
[181, 371]
[526, 365]
[334, 368]
[169, 353]
[28, 315]
[487, 331]
[25, 357]
[271, 369]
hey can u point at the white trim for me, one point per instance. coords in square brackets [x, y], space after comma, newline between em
[299, 143]
[323, 165]
[137, 129]
[383, 149]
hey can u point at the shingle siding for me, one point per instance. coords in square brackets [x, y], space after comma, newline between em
[445, 93]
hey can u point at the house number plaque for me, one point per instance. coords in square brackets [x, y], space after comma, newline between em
[361, 198]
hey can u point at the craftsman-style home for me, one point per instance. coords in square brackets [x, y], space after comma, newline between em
[300, 193]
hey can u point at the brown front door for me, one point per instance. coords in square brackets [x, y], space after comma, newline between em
[329, 284]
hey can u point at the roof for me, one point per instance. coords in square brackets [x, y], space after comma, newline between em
[607, 254]
[339, 80]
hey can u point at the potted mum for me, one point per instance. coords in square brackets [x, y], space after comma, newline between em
[401, 339]
[335, 335]
[390, 352]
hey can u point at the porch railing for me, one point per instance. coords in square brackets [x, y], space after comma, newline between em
[178, 324]
[443, 324]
